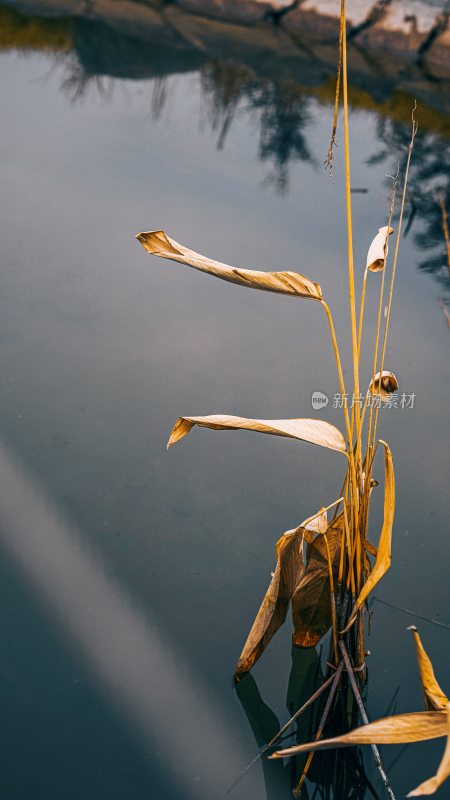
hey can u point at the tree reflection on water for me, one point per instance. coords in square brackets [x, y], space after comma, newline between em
[278, 93]
[430, 180]
[282, 111]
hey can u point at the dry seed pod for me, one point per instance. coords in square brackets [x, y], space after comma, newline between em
[384, 384]
[378, 250]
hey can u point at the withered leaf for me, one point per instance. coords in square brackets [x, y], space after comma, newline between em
[311, 602]
[434, 697]
[317, 524]
[401, 729]
[384, 384]
[307, 430]
[378, 250]
[432, 784]
[274, 607]
[159, 244]
[383, 559]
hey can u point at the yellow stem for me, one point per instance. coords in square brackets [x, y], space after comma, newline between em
[332, 599]
[394, 263]
[351, 275]
[343, 392]
[361, 311]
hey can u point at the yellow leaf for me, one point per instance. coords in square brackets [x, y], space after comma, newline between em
[378, 250]
[307, 430]
[435, 699]
[274, 607]
[159, 244]
[383, 559]
[311, 602]
[401, 729]
[432, 784]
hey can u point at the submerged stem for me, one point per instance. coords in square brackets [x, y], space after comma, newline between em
[364, 717]
[336, 678]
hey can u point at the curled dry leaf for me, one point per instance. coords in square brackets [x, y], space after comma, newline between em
[311, 602]
[317, 524]
[384, 384]
[274, 607]
[159, 244]
[432, 784]
[307, 430]
[401, 729]
[383, 558]
[435, 699]
[378, 250]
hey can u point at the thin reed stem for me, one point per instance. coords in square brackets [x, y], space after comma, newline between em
[329, 160]
[336, 678]
[351, 458]
[362, 711]
[397, 244]
[332, 599]
[361, 311]
[351, 274]
[380, 308]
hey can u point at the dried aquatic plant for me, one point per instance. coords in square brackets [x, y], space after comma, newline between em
[403, 728]
[327, 568]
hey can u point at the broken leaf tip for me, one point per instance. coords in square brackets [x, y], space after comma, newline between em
[179, 430]
[156, 242]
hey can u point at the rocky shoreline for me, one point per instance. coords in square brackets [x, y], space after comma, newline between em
[396, 47]
[409, 30]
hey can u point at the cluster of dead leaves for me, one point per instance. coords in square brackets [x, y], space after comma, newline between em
[301, 577]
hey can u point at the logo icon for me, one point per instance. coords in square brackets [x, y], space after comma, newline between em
[319, 400]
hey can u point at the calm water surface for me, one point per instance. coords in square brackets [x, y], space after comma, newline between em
[129, 575]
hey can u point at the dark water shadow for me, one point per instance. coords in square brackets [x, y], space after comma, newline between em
[332, 775]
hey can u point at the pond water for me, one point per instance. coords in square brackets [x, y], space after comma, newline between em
[130, 575]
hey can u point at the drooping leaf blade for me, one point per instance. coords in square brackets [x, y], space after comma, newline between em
[159, 244]
[383, 559]
[432, 784]
[311, 602]
[273, 610]
[434, 697]
[307, 430]
[401, 729]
